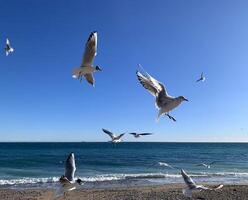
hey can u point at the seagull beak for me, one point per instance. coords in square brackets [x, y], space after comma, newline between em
[186, 99]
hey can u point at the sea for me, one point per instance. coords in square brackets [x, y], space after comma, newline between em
[101, 165]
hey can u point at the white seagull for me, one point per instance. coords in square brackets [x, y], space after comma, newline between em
[70, 168]
[68, 182]
[164, 102]
[202, 78]
[163, 164]
[192, 186]
[206, 165]
[8, 49]
[86, 68]
[138, 135]
[114, 138]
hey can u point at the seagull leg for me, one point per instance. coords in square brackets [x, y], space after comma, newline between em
[170, 117]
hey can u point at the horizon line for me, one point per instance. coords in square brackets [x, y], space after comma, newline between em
[123, 142]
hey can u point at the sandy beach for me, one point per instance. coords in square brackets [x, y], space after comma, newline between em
[170, 192]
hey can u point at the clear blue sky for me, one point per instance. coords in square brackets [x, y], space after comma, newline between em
[174, 41]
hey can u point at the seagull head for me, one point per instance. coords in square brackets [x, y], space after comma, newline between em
[71, 156]
[182, 98]
[98, 68]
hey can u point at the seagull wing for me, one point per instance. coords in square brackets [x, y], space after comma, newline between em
[70, 167]
[134, 134]
[212, 162]
[90, 78]
[90, 50]
[145, 134]
[7, 42]
[109, 133]
[151, 84]
[188, 180]
[202, 75]
[118, 137]
[202, 164]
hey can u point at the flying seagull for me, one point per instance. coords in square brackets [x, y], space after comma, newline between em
[68, 182]
[164, 102]
[8, 49]
[207, 165]
[114, 138]
[163, 164]
[86, 68]
[137, 135]
[192, 186]
[70, 168]
[202, 78]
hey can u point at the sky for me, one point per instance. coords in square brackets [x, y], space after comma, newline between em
[173, 40]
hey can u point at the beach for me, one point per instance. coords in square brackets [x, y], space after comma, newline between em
[170, 192]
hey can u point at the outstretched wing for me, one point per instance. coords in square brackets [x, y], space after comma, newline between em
[7, 42]
[202, 164]
[109, 133]
[151, 84]
[70, 167]
[134, 134]
[90, 49]
[188, 180]
[118, 137]
[212, 162]
[145, 134]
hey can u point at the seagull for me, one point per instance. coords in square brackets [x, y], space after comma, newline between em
[70, 168]
[86, 68]
[114, 138]
[202, 79]
[68, 182]
[163, 164]
[192, 186]
[138, 135]
[8, 49]
[164, 102]
[206, 165]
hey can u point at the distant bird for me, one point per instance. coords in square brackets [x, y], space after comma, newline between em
[202, 78]
[86, 68]
[8, 49]
[206, 165]
[163, 164]
[138, 135]
[114, 138]
[70, 168]
[192, 186]
[164, 102]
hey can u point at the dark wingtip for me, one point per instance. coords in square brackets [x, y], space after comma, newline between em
[104, 130]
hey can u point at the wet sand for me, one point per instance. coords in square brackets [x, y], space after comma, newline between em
[170, 192]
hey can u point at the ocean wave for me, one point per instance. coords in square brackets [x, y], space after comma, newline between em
[28, 181]
[116, 177]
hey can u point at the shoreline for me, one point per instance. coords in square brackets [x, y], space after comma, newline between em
[168, 191]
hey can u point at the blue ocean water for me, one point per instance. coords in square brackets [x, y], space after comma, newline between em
[105, 164]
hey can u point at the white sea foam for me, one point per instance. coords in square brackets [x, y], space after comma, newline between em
[116, 177]
[28, 181]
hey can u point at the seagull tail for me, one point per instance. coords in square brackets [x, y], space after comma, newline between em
[160, 112]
